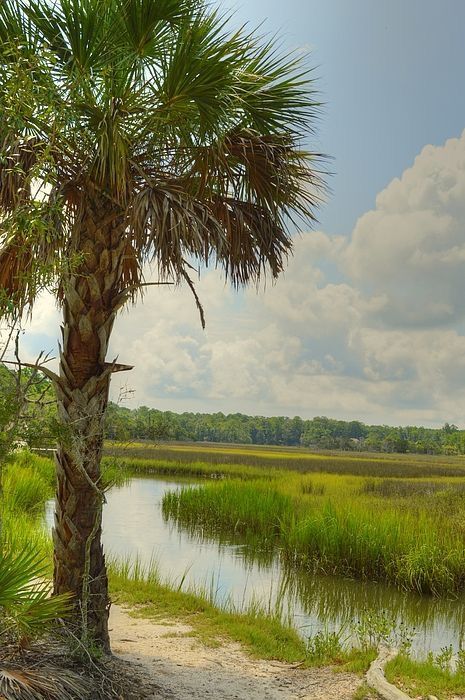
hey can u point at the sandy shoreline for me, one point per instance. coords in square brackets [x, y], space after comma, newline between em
[176, 666]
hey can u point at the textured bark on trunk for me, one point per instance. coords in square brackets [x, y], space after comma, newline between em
[82, 391]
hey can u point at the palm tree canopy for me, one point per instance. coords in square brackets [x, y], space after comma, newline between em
[188, 134]
[134, 131]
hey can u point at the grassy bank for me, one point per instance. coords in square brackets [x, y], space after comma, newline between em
[256, 627]
[421, 678]
[263, 634]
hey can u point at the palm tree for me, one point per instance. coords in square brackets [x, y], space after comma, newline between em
[143, 131]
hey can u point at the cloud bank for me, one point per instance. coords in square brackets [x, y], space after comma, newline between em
[367, 326]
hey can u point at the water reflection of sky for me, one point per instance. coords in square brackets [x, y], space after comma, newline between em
[133, 526]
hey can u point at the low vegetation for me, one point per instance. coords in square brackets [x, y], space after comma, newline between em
[222, 460]
[434, 674]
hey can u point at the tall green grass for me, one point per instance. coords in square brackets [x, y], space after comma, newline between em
[21, 530]
[28, 481]
[341, 536]
[258, 510]
[25, 490]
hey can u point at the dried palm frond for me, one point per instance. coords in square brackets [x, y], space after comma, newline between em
[45, 683]
[167, 224]
[15, 262]
[16, 163]
[255, 240]
[31, 250]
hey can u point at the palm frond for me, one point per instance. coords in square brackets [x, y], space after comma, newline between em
[142, 21]
[45, 683]
[276, 92]
[31, 252]
[16, 573]
[190, 131]
[72, 29]
[26, 608]
[167, 225]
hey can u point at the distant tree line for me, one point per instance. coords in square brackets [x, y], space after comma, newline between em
[324, 433]
[36, 425]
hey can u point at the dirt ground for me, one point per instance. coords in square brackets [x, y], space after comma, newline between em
[174, 666]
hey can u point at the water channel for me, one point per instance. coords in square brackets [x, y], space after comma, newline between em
[133, 526]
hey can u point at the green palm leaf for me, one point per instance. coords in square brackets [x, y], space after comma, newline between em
[26, 608]
[160, 107]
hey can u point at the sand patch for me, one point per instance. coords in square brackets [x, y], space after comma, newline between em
[176, 666]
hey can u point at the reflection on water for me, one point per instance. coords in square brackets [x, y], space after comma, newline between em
[134, 526]
[339, 602]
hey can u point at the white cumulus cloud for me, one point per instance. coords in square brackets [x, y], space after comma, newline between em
[367, 326]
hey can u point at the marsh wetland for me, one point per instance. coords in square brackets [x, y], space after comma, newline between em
[336, 542]
[235, 573]
[314, 558]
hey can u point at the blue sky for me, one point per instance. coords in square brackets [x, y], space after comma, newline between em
[368, 320]
[391, 74]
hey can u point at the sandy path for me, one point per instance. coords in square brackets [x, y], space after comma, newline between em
[177, 667]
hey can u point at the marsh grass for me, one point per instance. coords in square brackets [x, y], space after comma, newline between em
[221, 458]
[28, 481]
[407, 488]
[20, 530]
[374, 530]
[41, 465]
[343, 534]
[25, 490]
[258, 510]
[175, 467]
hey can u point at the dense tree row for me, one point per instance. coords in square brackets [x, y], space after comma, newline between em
[33, 412]
[325, 433]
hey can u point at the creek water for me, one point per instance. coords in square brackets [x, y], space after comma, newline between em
[235, 573]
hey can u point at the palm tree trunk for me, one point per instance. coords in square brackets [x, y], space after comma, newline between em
[82, 392]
